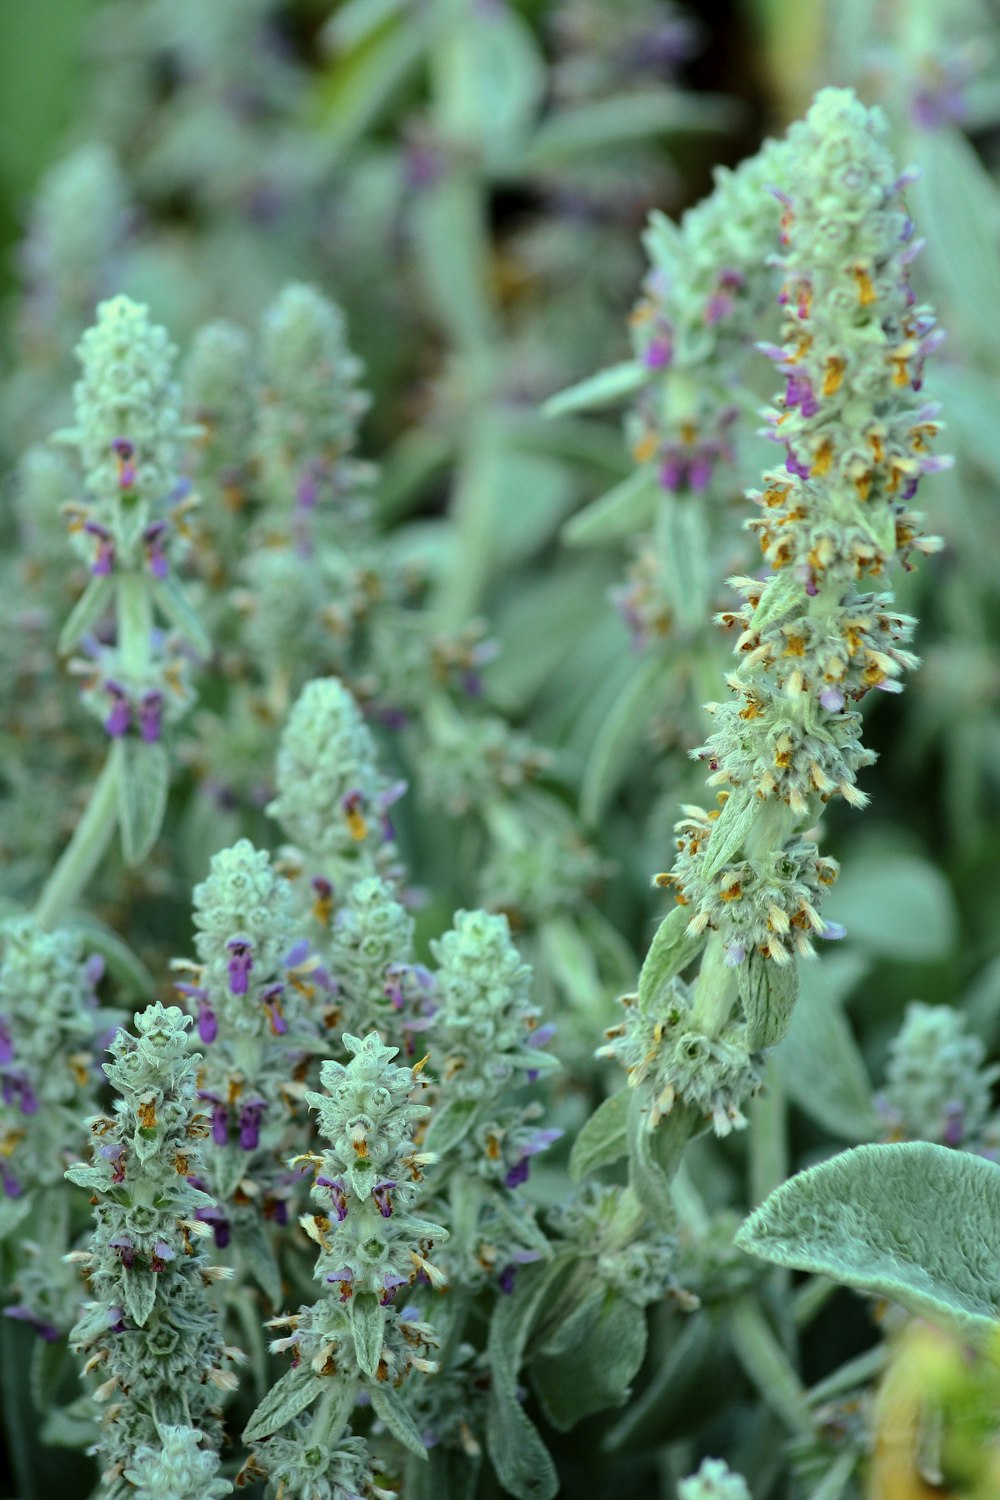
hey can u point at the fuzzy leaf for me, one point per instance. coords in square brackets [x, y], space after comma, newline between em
[450, 1125]
[671, 950]
[143, 784]
[820, 1062]
[594, 1369]
[622, 511]
[606, 124]
[388, 1405]
[13, 1211]
[683, 547]
[618, 738]
[291, 1394]
[895, 905]
[602, 389]
[86, 612]
[258, 1252]
[602, 1139]
[654, 1154]
[916, 1223]
[521, 1460]
[956, 204]
[738, 816]
[696, 1378]
[768, 992]
[368, 1326]
[138, 1294]
[171, 595]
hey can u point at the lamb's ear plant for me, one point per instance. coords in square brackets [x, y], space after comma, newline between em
[151, 1332]
[131, 528]
[863, 1217]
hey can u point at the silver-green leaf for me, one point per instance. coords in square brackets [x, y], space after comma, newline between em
[917, 1223]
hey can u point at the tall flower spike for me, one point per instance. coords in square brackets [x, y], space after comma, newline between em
[127, 414]
[151, 1330]
[937, 1088]
[486, 1019]
[249, 946]
[79, 222]
[371, 1245]
[333, 800]
[708, 289]
[310, 402]
[856, 433]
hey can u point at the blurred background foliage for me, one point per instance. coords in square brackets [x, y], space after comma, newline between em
[470, 180]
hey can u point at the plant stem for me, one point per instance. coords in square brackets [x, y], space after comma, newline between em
[84, 851]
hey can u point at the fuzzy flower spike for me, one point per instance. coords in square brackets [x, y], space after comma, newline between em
[814, 639]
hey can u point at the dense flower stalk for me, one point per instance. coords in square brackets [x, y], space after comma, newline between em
[813, 640]
[372, 1245]
[151, 1330]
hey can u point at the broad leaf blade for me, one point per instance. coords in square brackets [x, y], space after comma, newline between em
[290, 1395]
[602, 1139]
[143, 784]
[917, 1223]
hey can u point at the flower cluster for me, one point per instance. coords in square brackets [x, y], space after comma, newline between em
[49, 1028]
[669, 1057]
[371, 952]
[48, 1024]
[602, 1229]
[260, 995]
[769, 904]
[333, 799]
[310, 406]
[937, 1087]
[151, 1330]
[371, 1246]
[855, 429]
[710, 286]
[490, 1044]
[133, 525]
[128, 432]
[176, 1468]
[254, 968]
[714, 1481]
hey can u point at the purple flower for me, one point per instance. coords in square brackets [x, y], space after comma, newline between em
[150, 716]
[153, 538]
[11, 1186]
[832, 698]
[119, 719]
[212, 1214]
[125, 1248]
[208, 1024]
[390, 1286]
[126, 467]
[659, 353]
[6, 1041]
[337, 1194]
[250, 1117]
[381, 1193]
[24, 1314]
[240, 963]
[105, 557]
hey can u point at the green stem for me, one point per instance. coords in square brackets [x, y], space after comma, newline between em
[85, 849]
[332, 1414]
[768, 1366]
[769, 1166]
[715, 989]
